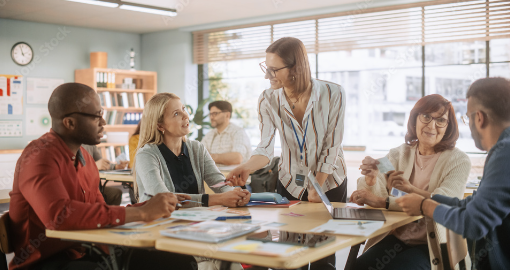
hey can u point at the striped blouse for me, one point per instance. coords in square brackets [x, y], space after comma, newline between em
[322, 148]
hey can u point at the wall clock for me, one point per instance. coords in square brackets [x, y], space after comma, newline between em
[22, 54]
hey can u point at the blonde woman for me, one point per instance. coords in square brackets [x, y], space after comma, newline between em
[166, 161]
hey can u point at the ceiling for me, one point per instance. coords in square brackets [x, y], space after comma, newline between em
[190, 12]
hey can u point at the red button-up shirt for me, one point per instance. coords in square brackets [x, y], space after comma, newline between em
[50, 192]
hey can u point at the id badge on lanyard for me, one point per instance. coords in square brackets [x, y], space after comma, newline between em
[302, 170]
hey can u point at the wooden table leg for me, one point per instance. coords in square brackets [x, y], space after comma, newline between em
[353, 254]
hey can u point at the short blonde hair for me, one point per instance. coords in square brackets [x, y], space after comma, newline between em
[153, 114]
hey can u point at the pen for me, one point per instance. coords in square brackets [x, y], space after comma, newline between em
[150, 196]
[235, 217]
[185, 201]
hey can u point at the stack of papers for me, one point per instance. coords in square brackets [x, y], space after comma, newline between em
[210, 231]
[140, 225]
[261, 248]
[206, 213]
[349, 227]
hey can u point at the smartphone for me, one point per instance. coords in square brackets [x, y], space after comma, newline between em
[397, 193]
[292, 238]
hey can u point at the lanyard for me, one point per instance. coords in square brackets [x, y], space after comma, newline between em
[301, 145]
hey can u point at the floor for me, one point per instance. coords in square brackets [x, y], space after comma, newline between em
[341, 255]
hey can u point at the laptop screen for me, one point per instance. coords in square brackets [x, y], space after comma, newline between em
[321, 193]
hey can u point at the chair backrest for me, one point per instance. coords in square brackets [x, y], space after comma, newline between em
[456, 247]
[5, 243]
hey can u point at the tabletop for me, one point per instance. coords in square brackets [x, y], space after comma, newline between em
[314, 214]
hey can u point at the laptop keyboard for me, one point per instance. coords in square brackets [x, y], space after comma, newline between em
[348, 213]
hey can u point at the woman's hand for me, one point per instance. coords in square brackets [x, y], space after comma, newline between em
[238, 176]
[396, 180]
[363, 196]
[313, 196]
[369, 170]
[233, 198]
[246, 198]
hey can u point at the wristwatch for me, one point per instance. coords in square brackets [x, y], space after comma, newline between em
[387, 202]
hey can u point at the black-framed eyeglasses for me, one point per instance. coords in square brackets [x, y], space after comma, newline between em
[270, 71]
[427, 118]
[96, 117]
[214, 114]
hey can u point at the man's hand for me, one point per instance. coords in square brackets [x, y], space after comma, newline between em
[103, 164]
[121, 165]
[410, 203]
[161, 205]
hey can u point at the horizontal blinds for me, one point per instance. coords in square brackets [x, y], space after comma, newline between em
[403, 25]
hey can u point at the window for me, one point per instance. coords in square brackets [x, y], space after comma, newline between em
[386, 59]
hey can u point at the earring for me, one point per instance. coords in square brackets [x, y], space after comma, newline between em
[293, 78]
[163, 132]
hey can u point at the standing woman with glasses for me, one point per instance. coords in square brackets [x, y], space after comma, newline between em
[309, 116]
[428, 163]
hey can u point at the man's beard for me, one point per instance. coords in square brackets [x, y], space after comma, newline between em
[476, 136]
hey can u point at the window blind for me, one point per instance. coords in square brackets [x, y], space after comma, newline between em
[402, 25]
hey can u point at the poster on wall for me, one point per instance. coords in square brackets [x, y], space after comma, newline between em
[39, 89]
[11, 128]
[38, 121]
[11, 95]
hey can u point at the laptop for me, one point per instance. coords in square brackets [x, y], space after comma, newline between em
[345, 213]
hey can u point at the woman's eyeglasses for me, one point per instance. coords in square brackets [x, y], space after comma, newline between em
[270, 71]
[440, 121]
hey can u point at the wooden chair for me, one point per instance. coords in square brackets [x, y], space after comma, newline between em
[5, 243]
[455, 251]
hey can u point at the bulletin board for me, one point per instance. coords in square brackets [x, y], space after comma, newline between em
[24, 114]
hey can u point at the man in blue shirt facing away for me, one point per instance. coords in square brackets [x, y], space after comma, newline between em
[483, 218]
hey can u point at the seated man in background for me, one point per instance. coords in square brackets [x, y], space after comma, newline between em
[483, 218]
[56, 187]
[112, 196]
[227, 143]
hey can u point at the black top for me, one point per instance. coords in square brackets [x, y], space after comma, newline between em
[180, 169]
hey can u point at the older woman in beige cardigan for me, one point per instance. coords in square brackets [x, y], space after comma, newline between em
[428, 163]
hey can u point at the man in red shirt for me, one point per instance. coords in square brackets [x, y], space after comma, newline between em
[56, 187]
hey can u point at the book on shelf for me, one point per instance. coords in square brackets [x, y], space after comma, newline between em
[115, 117]
[135, 100]
[141, 100]
[125, 101]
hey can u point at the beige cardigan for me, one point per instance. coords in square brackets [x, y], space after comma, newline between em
[448, 178]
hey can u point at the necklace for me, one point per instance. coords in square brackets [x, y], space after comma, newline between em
[293, 103]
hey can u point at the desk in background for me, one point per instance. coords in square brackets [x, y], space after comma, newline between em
[4, 196]
[315, 214]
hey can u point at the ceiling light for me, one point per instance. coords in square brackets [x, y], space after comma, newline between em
[98, 3]
[149, 10]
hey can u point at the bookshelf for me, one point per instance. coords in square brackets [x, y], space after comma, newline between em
[123, 94]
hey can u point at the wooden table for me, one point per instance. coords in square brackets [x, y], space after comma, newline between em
[4, 196]
[315, 214]
[126, 180]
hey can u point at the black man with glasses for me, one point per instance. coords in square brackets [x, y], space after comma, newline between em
[56, 186]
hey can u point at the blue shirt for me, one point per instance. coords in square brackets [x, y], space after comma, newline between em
[484, 217]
